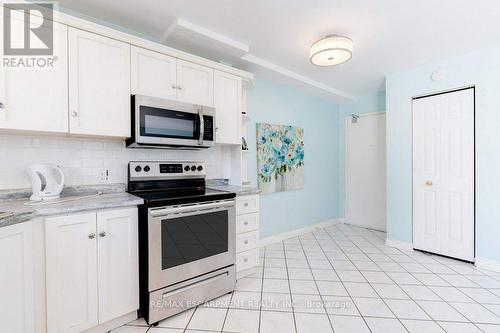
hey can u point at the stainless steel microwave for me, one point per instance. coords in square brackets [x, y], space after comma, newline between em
[160, 123]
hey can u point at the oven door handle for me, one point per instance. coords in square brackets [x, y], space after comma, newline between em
[191, 209]
[202, 126]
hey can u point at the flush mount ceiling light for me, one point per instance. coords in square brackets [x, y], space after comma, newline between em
[331, 50]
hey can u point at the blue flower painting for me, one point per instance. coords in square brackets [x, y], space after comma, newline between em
[280, 157]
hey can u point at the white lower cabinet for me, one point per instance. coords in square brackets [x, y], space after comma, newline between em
[71, 271]
[91, 269]
[117, 263]
[247, 234]
[17, 305]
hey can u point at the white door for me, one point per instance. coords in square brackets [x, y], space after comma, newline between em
[227, 101]
[17, 309]
[153, 73]
[365, 171]
[71, 273]
[36, 99]
[99, 85]
[443, 174]
[195, 83]
[118, 263]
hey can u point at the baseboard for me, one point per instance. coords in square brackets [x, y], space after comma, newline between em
[406, 246]
[488, 264]
[297, 232]
[114, 323]
[346, 221]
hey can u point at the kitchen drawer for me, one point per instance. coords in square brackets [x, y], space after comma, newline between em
[247, 222]
[247, 241]
[247, 259]
[247, 204]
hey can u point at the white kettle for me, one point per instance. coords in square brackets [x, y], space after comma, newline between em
[47, 181]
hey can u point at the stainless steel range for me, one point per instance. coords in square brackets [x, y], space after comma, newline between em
[186, 237]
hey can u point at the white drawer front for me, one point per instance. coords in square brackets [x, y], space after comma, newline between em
[247, 259]
[247, 241]
[247, 204]
[247, 222]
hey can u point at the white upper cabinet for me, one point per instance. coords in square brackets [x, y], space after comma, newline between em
[36, 99]
[118, 263]
[71, 271]
[195, 83]
[99, 85]
[227, 101]
[153, 74]
[17, 308]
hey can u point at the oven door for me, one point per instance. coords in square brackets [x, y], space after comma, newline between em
[172, 123]
[190, 240]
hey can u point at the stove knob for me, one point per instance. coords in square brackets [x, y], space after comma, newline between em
[147, 168]
[193, 168]
[200, 168]
[138, 168]
[186, 168]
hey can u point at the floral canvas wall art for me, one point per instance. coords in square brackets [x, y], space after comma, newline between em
[280, 157]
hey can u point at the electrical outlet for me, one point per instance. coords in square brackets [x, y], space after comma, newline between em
[104, 176]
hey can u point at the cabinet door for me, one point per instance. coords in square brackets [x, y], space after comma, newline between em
[71, 273]
[118, 263]
[36, 99]
[153, 73]
[99, 85]
[227, 101]
[16, 279]
[195, 83]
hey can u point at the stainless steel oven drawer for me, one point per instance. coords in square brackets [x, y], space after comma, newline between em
[171, 300]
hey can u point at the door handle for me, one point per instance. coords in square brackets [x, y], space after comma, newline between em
[428, 183]
[202, 126]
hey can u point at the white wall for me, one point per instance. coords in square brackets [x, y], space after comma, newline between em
[82, 159]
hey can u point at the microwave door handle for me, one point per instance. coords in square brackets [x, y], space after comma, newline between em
[202, 126]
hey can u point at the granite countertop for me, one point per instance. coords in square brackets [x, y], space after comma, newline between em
[112, 196]
[223, 185]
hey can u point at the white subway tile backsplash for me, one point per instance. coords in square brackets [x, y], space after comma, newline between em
[83, 159]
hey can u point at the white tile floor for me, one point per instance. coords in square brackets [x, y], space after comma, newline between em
[344, 279]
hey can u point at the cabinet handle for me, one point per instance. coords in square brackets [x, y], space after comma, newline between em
[245, 223]
[245, 260]
[2, 106]
[428, 183]
[74, 113]
[246, 241]
[91, 236]
[179, 87]
[246, 204]
[102, 234]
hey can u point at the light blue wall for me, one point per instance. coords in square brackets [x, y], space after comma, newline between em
[482, 69]
[371, 102]
[280, 212]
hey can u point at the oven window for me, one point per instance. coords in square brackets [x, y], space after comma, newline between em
[168, 123]
[190, 238]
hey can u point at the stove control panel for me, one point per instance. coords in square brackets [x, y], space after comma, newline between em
[166, 169]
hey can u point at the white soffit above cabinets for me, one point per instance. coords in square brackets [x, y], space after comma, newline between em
[186, 35]
[193, 38]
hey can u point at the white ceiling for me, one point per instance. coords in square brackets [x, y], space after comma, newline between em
[388, 35]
